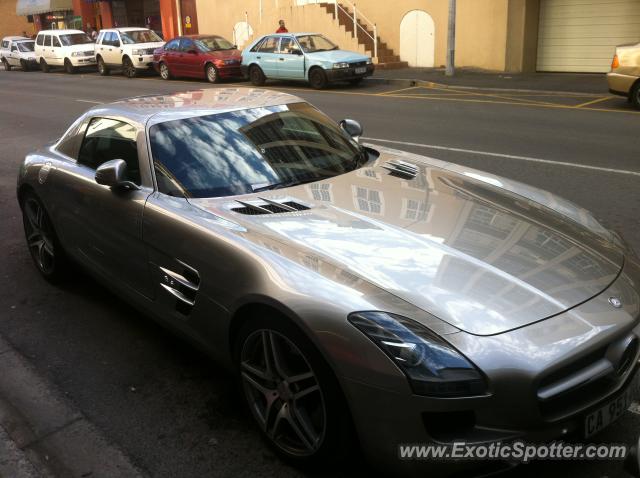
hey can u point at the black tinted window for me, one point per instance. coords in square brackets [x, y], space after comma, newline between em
[40, 40]
[108, 139]
[56, 42]
[245, 151]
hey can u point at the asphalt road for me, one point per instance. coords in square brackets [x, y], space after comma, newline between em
[169, 408]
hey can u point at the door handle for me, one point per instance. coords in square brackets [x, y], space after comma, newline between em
[281, 59]
[257, 57]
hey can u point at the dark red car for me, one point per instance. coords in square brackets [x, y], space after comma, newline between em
[198, 56]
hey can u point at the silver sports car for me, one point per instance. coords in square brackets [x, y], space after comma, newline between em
[361, 294]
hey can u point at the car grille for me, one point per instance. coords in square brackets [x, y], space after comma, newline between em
[88, 53]
[268, 206]
[358, 64]
[585, 381]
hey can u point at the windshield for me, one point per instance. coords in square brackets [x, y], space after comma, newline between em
[26, 46]
[140, 36]
[75, 39]
[246, 151]
[214, 43]
[313, 43]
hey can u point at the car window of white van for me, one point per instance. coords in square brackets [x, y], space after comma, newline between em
[26, 46]
[40, 40]
[56, 42]
[5, 44]
[139, 36]
[75, 39]
[47, 40]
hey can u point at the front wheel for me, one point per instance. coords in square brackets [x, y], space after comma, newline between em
[68, 67]
[164, 71]
[635, 95]
[102, 67]
[292, 392]
[212, 73]
[317, 78]
[256, 75]
[24, 65]
[128, 69]
[5, 63]
[44, 66]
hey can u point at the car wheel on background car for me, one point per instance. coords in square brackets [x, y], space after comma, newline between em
[127, 68]
[68, 67]
[24, 65]
[164, 71]
[635, 95]
[44, 247]
[44, 66]
[256, 75]
[212, 73]
[292, 392]
[6, 64]
[317, 78]
[102, 67]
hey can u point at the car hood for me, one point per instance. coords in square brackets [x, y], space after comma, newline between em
[338, 56]
[82, 47]
[477, 256]
[224, 54]
[144, 46]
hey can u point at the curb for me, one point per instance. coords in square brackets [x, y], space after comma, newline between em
[44, 435]
[408, 83]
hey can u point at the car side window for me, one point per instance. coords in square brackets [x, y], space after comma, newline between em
[5, 44]
[257, 46]
[14, 48]
[107, 39]
[269, 45]
[108, 139]
[115, 39]
[289, 46]
[40, 40]
[172, 45]
[47, 40]
[187, 44]
[99, 38]
[56, 42]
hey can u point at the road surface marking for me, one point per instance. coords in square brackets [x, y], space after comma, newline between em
[599, 100]
[508, 156]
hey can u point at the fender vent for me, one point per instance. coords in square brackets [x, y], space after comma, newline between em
[268, 206]
[401, 168]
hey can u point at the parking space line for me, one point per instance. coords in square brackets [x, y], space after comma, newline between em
[384, 93]
[599, 100]
[508, 156]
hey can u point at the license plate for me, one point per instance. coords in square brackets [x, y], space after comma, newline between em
[362, 69]
[611, 411]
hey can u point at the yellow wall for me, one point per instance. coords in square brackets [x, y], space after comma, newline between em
[484, 27]
[10, 23]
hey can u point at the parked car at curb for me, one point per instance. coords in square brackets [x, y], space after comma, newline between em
[130, 49]
[70, 49]
[308, 57]
[624, 77]
[17, 52]
[359, 294]
[210, 57]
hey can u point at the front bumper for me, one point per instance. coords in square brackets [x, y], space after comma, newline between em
[230, 71]
[142, 62]
[346, 74]
[620, 84]
[83, 60]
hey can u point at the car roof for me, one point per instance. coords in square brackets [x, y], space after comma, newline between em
[193, 103]
[59, 32]
[123, 29]
[15, 38]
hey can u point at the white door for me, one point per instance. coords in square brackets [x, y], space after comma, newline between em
[417, 39]
[581, 35]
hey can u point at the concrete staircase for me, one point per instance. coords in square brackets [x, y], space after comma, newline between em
[387, 58]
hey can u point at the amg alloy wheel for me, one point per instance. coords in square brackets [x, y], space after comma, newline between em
[164, 71]
[212, 73]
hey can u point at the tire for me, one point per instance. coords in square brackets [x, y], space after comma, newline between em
[356, 81]
[634, 96]
[128, 69]
[68, 67]
[256, 76]
[7, 66]
[317, 78]
[165, 74]
[211, 73]
[103, 69]
[314, 428]
[44, 66]
[24, 65]
[42, 241]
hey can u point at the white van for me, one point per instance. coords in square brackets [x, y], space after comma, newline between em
[17, 52]
[128, 48]
[68, 48]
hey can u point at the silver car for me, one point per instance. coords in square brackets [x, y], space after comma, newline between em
[361, 294]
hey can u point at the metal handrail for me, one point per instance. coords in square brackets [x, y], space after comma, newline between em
[356, 25]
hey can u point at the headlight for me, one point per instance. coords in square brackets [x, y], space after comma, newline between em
[77, 53]
[369, 61]
[431, 364]
[341, 65]
[137, 52]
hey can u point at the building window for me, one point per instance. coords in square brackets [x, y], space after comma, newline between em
[368, 200]
[321, 192]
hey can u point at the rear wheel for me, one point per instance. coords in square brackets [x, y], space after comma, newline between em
[68, 67]
[292, 392]
[127, 68]
[317, 78]
[256, 75]
[44, 247]
[6, 64]
[164, 71]
[102, 67]
[212, 73]
[635, 95]
[44, 66]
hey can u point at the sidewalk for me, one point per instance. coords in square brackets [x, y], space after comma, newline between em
[592, 83]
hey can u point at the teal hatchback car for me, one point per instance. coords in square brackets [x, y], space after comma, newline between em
[303, 56]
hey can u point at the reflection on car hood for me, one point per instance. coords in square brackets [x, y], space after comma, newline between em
[479, 257]
[337, 56]
[225, 54]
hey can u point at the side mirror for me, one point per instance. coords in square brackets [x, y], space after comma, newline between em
[114, 174]
[632, 462]
[352, 128]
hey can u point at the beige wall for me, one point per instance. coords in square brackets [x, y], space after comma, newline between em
[10, 23]
[491, 34]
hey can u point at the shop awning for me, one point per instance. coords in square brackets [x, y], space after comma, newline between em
[33, 7]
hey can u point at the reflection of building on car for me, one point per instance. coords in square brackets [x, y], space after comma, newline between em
[303, 56]
[198, 56]
[128, 48]
[624, 77]
[17, 52]
[69, 48]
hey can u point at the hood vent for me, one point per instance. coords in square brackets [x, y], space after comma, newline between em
[401, 168]
[268, 206]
